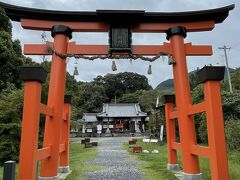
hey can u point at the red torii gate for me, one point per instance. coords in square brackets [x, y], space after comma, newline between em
[62, 24]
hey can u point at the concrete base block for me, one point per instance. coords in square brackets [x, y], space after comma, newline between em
[49, 178]
[173, 167]
[64, 169]
[186, 176]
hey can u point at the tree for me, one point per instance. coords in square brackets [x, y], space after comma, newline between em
[131, 97]
[231, 112]
[121, 83]
[146, 99]
[91, 97]
[10, 55]
[11, 98]
[11, 104]
[5, 22]
[235, 79]
[193, 79]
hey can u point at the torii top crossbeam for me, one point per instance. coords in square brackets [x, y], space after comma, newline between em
[141, 21]
[131, 20]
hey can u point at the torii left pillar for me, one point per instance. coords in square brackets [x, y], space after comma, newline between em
[53, 126]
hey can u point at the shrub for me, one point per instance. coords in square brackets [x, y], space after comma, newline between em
[232, 132]
[201, 128]
[11, 102]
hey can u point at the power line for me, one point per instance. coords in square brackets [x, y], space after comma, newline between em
[225, 48]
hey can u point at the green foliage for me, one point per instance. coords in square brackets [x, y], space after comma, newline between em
[122, 83]
[5, 22]
[91, 97]
[131, 97]
[234, 73]
[231, 105]
[231, 112]
[193, 79]
[10, 61]
[232, 132]
[10, 55]
[11, 98]
[235, 79]
[10, 140]
[201, 128]
[11, 103]
[197, 94]
[146, 99]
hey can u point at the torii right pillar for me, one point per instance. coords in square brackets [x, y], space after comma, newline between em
[185, 111]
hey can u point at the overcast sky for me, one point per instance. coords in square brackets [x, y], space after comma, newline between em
[227, 33]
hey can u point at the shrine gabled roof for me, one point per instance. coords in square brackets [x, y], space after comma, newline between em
[90, 117]
[121, 110]
[217, 15]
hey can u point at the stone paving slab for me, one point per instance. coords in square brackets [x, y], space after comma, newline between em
[118, 165]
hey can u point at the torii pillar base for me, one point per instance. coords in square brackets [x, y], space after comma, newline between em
[186, 176]
[173, 167]
[49, 178]
[64, 169]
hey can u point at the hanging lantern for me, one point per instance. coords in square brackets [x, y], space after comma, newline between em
[171, 60]
[114, 66]
[75, 73]
[163, 58]
[131, 61]
[149, 69]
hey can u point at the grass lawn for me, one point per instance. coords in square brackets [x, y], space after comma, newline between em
[1, 172]
[78, 155]
[154, 165]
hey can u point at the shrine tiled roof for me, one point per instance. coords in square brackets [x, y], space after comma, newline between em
[122, 110]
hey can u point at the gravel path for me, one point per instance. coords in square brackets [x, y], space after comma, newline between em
[116, 159]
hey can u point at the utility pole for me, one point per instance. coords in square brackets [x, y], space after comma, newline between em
[228, 73]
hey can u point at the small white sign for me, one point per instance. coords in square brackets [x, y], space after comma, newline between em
[110, 126]
[154, 140]
[99, 127]
[89, 130]
[150, 140]
[146, 140]
[83, 129]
